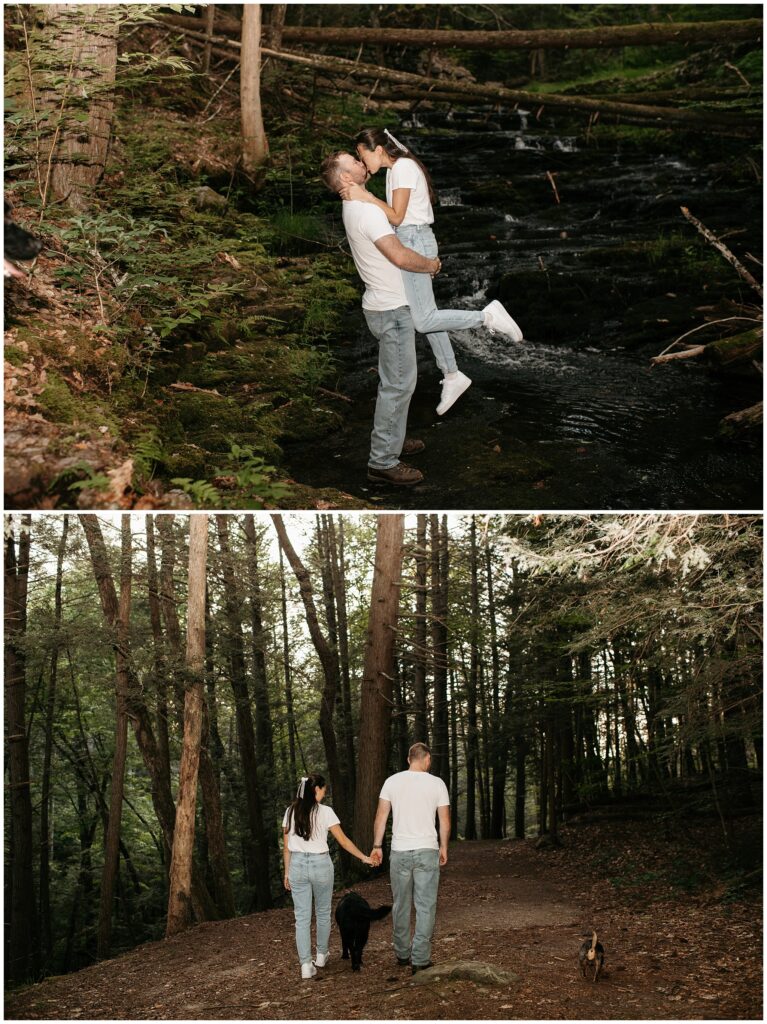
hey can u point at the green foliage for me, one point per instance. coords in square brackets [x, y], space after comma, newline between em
[201, 492]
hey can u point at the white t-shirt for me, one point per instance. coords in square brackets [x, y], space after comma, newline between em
[414, 798]
[324, 819]
[365, 223]
[407, 174]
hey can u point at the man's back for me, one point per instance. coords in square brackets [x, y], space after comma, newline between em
[365, 224]
[414, 797]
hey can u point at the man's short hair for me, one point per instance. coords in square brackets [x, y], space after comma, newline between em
[330, 171]
[418, 752]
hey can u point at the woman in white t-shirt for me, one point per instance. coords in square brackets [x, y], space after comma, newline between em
[408, 207]
[309, 869]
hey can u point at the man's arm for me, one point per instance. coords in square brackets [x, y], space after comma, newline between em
[406, 259]
[444, 833]
[379, 827]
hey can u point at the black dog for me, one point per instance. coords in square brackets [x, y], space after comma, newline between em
[353, 917]
[591, 956]
[18, 244]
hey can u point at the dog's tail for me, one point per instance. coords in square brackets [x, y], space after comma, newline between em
[379, 912]
[593, 951]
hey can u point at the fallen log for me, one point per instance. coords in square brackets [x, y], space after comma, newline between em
[715, 122]
[745, 419]
[735, 352]
[722, 248]
[604, 36]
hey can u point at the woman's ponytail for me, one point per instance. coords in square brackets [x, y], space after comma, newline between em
[304, 808]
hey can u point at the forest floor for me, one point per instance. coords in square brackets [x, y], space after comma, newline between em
[668, 953]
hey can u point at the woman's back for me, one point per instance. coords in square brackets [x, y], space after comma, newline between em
[407, 174]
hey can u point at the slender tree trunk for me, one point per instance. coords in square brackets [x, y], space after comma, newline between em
[45, 799]
[453, 760]
[499, 729]
[337, 561]
[159, 662]
[377, 674]
[255, 149]
[252, 778]
[277, 25]
[439, 606]
[420, 723]
[330, 669]
[288, 678]
[121, 624]
[179, 898]
[472, 742]
[21, 951]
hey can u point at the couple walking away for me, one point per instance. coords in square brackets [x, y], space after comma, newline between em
[397, 268]
[414, 798]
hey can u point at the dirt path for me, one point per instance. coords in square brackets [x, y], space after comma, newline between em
[503, 903]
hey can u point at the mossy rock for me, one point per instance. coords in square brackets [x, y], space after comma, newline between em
[304, 420]
[188, 461]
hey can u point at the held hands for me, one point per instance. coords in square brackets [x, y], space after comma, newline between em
[354, 191]
[376, 858]
[368, 861]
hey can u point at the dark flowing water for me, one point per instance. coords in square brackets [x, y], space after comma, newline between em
[575, 417]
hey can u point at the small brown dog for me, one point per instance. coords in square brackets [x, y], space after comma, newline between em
[591, 955]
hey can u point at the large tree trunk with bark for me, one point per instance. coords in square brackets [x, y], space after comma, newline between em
[21, 950]
[420, 720]
[84, 39]
[118, 620]
[180, 886]
[439, 604]
[378, 674]
[255, 148]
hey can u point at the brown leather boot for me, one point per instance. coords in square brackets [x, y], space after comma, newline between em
[400, 475]
[412, 446]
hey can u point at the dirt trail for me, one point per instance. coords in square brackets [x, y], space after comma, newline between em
[503, 903]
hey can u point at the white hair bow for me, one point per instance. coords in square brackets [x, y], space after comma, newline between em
[302, 787]
[398, 144]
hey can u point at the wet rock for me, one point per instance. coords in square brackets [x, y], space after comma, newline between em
[466, 970]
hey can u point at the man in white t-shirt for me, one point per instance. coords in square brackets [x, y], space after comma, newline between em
[379, 256]
[415, 799]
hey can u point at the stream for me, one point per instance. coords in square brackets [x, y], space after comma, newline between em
[574, 417]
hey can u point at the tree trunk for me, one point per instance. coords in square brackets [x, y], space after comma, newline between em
[277, 25]
[159, 662]
[330, 669]
[45, 798]
[472, 741]
[83, 38]
[22, 947]
[252, 778]
[288, 680]
[180, 885]
[337, 561]
[439, 605]
[420, 722]
[255, 149]
[120, 623]
[508, 39]
[453, 760]
[377, 674]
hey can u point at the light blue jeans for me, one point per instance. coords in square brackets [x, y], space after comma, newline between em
[414, 881]
[397, 374]
[427, 318]
[311, 875]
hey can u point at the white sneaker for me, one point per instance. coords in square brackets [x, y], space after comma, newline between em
[497, 319]
[452, 389]
[308, 971]
[321, 959]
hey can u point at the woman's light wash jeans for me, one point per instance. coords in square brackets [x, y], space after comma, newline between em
[427, 318]
[397, 374]
[311, 875]
[414, 881]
